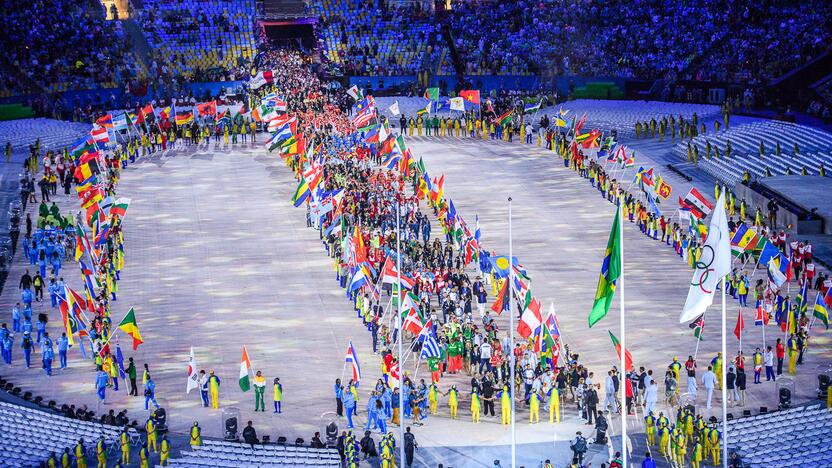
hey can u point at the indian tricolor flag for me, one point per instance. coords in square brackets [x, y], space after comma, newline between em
[245, 370]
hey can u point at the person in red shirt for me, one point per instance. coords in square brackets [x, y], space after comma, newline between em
[781, 354]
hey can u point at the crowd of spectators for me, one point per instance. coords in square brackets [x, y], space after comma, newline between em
[389, 40]
[59, 45]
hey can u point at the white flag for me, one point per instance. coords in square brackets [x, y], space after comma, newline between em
[354, 92]
[257, 81]
[714, 263]
[193, 377]
[458, 104]
[394, 109]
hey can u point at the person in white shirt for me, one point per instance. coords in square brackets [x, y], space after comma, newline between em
[709, 381]
[651, 396]
[769, 362]
[609, 389]
[485, 356]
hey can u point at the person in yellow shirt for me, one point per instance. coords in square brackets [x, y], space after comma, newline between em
[696, 454]
[165, 456]
[101, 453]
[259, 391]
[278, 395]
[144, 457]
[713, 445]
[125, 447]
[475, 406]
[150, 427]
[80, 454]
[650, 428]
[196, 435]
[214, 390]
[534, 408]
[453, 400]
[433, 396]
[505, 404]
[66, 459]
[554, 405]
[681, 448]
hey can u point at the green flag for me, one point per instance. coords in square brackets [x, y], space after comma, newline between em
[432, 94]
[610, 271]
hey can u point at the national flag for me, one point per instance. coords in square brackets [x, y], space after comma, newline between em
[712, 266]
[128, 325]
[360, 278]
[120, 122]
[224, 118]
[207, 108]
[768, 252]
[628, 358]
[580, 124]
[430, 347]
[147, 113]
[355, 93]
[389, 275]
[457, 104]
[82, 244]
[120, 206]
[822, 304]
[761, 317]
[610, 271]
[120, 362]
[261, 79]
[743, 238]
[100, 135]
[504, 119]
[352, 360]
[698, 326]
[364, 117]
[193, 373]
[471, 95]
[696, 203]
[627, 160]
[168, 112]
[663, 189]
[501, 303]
[432, 94]
[532, 107]
[559, 122]
[184, 118]
[302, 193]
[65, 314]
[591, 140]
[801, 302]
[411, 314]
[740, 326]
[105, 121]
[779, 270]
[245, 371]
[425, 110]
[530, 319]
[394, 109]
[85, 144]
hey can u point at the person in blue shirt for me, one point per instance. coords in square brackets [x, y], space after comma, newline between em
[27, 344]
[27, 325]
[53, 293]
[101, 380]
[63, 346]
[349, 404]
[371, 412]
[27, 297]
[27, 311]
[16, 318]
[7, 348]
[339, 390]
[150, 393]
[41, 326]
[47, 353]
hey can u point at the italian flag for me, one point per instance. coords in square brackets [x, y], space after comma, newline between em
[245, 370]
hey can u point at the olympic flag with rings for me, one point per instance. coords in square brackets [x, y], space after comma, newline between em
[713, 264]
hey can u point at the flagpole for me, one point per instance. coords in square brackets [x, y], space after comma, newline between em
[511, 342]
[620, 284]
[724, 371]
[399, 322]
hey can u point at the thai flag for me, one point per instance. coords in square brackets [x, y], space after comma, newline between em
[352, 359]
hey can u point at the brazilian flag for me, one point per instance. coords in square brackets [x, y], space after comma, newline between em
[610, 271]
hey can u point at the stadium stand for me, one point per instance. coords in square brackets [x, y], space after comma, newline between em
[53, 134]
[230, 454]
[30, 435]
[199, 40]
[93, 52]
[398, 40]
[814, 148]
[803, 437]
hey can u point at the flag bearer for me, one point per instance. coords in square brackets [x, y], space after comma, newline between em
[259, 391]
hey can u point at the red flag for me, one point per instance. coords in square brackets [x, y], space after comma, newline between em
[470, 95]
[740, 325]
[208, 108]
[530, 320]
[501, 302]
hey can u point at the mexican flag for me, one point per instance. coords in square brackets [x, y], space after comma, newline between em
[245, 370]
[628, 358]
